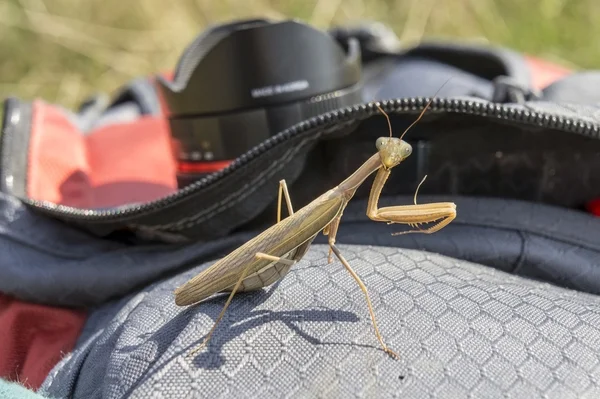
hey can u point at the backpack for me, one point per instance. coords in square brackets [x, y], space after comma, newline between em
[500, 303]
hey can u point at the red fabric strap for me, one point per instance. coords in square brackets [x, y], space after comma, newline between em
[114, 165]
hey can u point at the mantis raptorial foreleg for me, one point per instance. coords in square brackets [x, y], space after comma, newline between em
[439, 213]
[366, 292]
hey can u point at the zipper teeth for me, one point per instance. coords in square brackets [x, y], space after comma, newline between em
[357, 112]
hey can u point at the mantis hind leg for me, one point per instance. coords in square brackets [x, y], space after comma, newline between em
[362, 286]
[277, 259]
[233, 291]
[214, 327]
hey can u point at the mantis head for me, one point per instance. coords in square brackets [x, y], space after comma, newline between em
[392, 151]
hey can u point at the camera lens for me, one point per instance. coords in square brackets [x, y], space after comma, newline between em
[238, 84]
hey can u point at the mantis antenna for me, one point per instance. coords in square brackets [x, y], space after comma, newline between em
[386, 117]
[424, 109]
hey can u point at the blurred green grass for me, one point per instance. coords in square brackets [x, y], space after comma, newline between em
[63, 50]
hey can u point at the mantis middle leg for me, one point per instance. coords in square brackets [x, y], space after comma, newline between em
[362, 286]
[331, 231]
[283, 189]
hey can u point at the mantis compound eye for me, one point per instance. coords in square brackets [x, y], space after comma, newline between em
[380, 142]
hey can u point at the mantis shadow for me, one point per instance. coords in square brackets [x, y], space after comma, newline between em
[230, 328]
[211, 357]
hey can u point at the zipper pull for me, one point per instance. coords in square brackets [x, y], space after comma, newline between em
[507, 90]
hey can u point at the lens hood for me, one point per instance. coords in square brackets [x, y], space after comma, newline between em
[241, 82]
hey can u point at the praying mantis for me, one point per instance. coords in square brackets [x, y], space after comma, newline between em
[269, 256]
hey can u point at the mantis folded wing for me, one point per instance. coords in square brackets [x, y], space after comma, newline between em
[269, 256]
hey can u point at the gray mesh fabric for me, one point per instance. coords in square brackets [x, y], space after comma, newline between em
[461, 329]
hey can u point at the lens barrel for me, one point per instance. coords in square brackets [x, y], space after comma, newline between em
[239, 83]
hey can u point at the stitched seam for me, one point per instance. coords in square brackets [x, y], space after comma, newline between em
[489, 221]
[561, 236]
[235, 196]
[521, 258]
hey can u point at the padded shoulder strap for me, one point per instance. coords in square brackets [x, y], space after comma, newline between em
[460, 329]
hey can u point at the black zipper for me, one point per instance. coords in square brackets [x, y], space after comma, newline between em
[504, 112]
